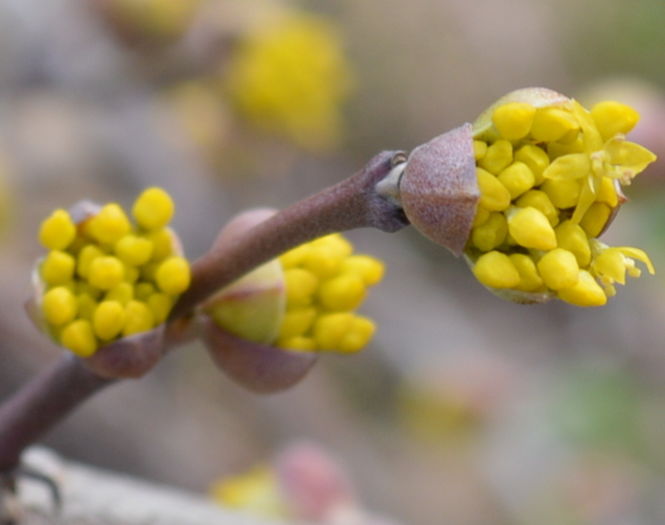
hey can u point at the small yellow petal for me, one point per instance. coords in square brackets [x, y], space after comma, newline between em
[59, 306]
[629, 158]
[573, 166]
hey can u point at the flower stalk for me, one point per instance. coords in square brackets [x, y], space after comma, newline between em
[49, 397]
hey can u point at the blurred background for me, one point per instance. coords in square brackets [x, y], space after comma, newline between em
[465, 409]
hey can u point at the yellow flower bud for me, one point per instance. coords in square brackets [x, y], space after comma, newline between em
[571, 237]
[173, 275]
[160, 305]
[105, 272]
[368, 268]
[122, 293]
[498, 157]
[296, 322]
[138, 318]
[109, 225]
[344, 292]
[143, 290]
[585, 292]
[538, 199]
[513, 120]
[57, 231]
[559, 269]
[531, 229]
[153, 209]
[79, 338]
[479, 149]
[613, 117]
[551, 124]
[495, 270]
[481, 217]
[517, 178]
[330, 329]
[563, 193]
[300, 287]
[493, 195]
[85, 257]
[491, 234]
[596, 218]
[530, 280]
[361, 331]
[59, 306]
[57, 268]
[535, 158]
[294, 257]
[86, 306]
[108, 320]
[322, 261]
[162, 243]
[335, 242]
[133, 250]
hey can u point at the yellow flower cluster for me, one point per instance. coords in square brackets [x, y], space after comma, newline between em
[290, 78]
[255, 490]
[105, 278]
[325, 283]
[549, 179]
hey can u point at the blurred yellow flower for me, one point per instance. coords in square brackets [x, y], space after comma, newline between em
[290, 78]
[255, 490]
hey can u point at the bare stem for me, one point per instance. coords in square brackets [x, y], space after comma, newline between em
[353, 203]
[41, 403]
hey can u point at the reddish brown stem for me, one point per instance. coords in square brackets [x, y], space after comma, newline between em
[353, 203]
[41, 403]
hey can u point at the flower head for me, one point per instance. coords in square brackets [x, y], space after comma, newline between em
[549, 174]
[290, 77]
[105, 278]
[304, 301]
